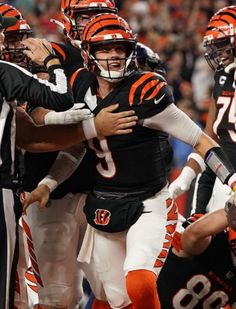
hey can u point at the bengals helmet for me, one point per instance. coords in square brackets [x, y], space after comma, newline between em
[9, 10]
[73, 10]
[106, 29]
[14, 35]
[148, 60]
[219, 39]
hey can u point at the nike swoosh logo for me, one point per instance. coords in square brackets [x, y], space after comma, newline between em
[156, 101]
[146, 212]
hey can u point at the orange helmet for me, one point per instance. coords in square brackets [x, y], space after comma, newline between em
[13, 35]
[72, 10]
[106, 29]
[9, 10]
[219, 39]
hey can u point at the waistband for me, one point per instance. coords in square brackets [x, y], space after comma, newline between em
[142, 195]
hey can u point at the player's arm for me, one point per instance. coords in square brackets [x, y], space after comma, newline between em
[65, 164]
[210, 121]
[18, 83]
[77, 113]
[176, 123]
[122, 121]
[195, 164]
[198, 235]
[35, 138]
[204, 190]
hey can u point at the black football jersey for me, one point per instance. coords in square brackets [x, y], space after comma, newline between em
[37, 165]
[69, 56]
[223, 92]
[205, 281]
[133, 162]
[224, 128]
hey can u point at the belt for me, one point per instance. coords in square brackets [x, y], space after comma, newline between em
[142, 195]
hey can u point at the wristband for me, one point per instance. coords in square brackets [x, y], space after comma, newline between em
[49, 58]
[195, 156]
[219, 163]
[51, 118]
[36, 68]
[188, 174]
[89, 128]
[49, 182]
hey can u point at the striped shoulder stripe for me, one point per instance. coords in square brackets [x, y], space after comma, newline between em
[148, 85]
[136, 84]
[74, 76]
[156, 90]
[59, 50]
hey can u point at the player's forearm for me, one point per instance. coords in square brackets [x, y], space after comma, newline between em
[204, 190]
[52, 137]
[38, 115]
[198, 235]
[63, 167]
[216, 160]
[204, 144]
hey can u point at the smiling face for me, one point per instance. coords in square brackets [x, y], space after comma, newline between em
[111, 56]
[220, 53]
[109, 47]
[219, 38]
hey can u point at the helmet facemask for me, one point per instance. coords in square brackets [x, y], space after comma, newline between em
[129, 63]
[13, 50]
[109, 31]
[219, 39]
[220, 52]
[76, 12]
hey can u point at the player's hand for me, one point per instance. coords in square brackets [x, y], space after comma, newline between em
[40, 194]
[108, 123]
[37, 49]
[74, 115]
[182, 182]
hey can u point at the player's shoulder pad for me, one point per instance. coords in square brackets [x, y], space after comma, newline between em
[82, 74]
[64, 50]
[145, 87]
[59, 49]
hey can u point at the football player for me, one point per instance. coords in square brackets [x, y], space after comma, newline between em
[219, 41]
[200, 273]
[17, 83]
[129, 175]
[64, 216]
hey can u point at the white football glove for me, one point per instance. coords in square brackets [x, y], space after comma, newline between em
[73, 115]
[182, 182]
